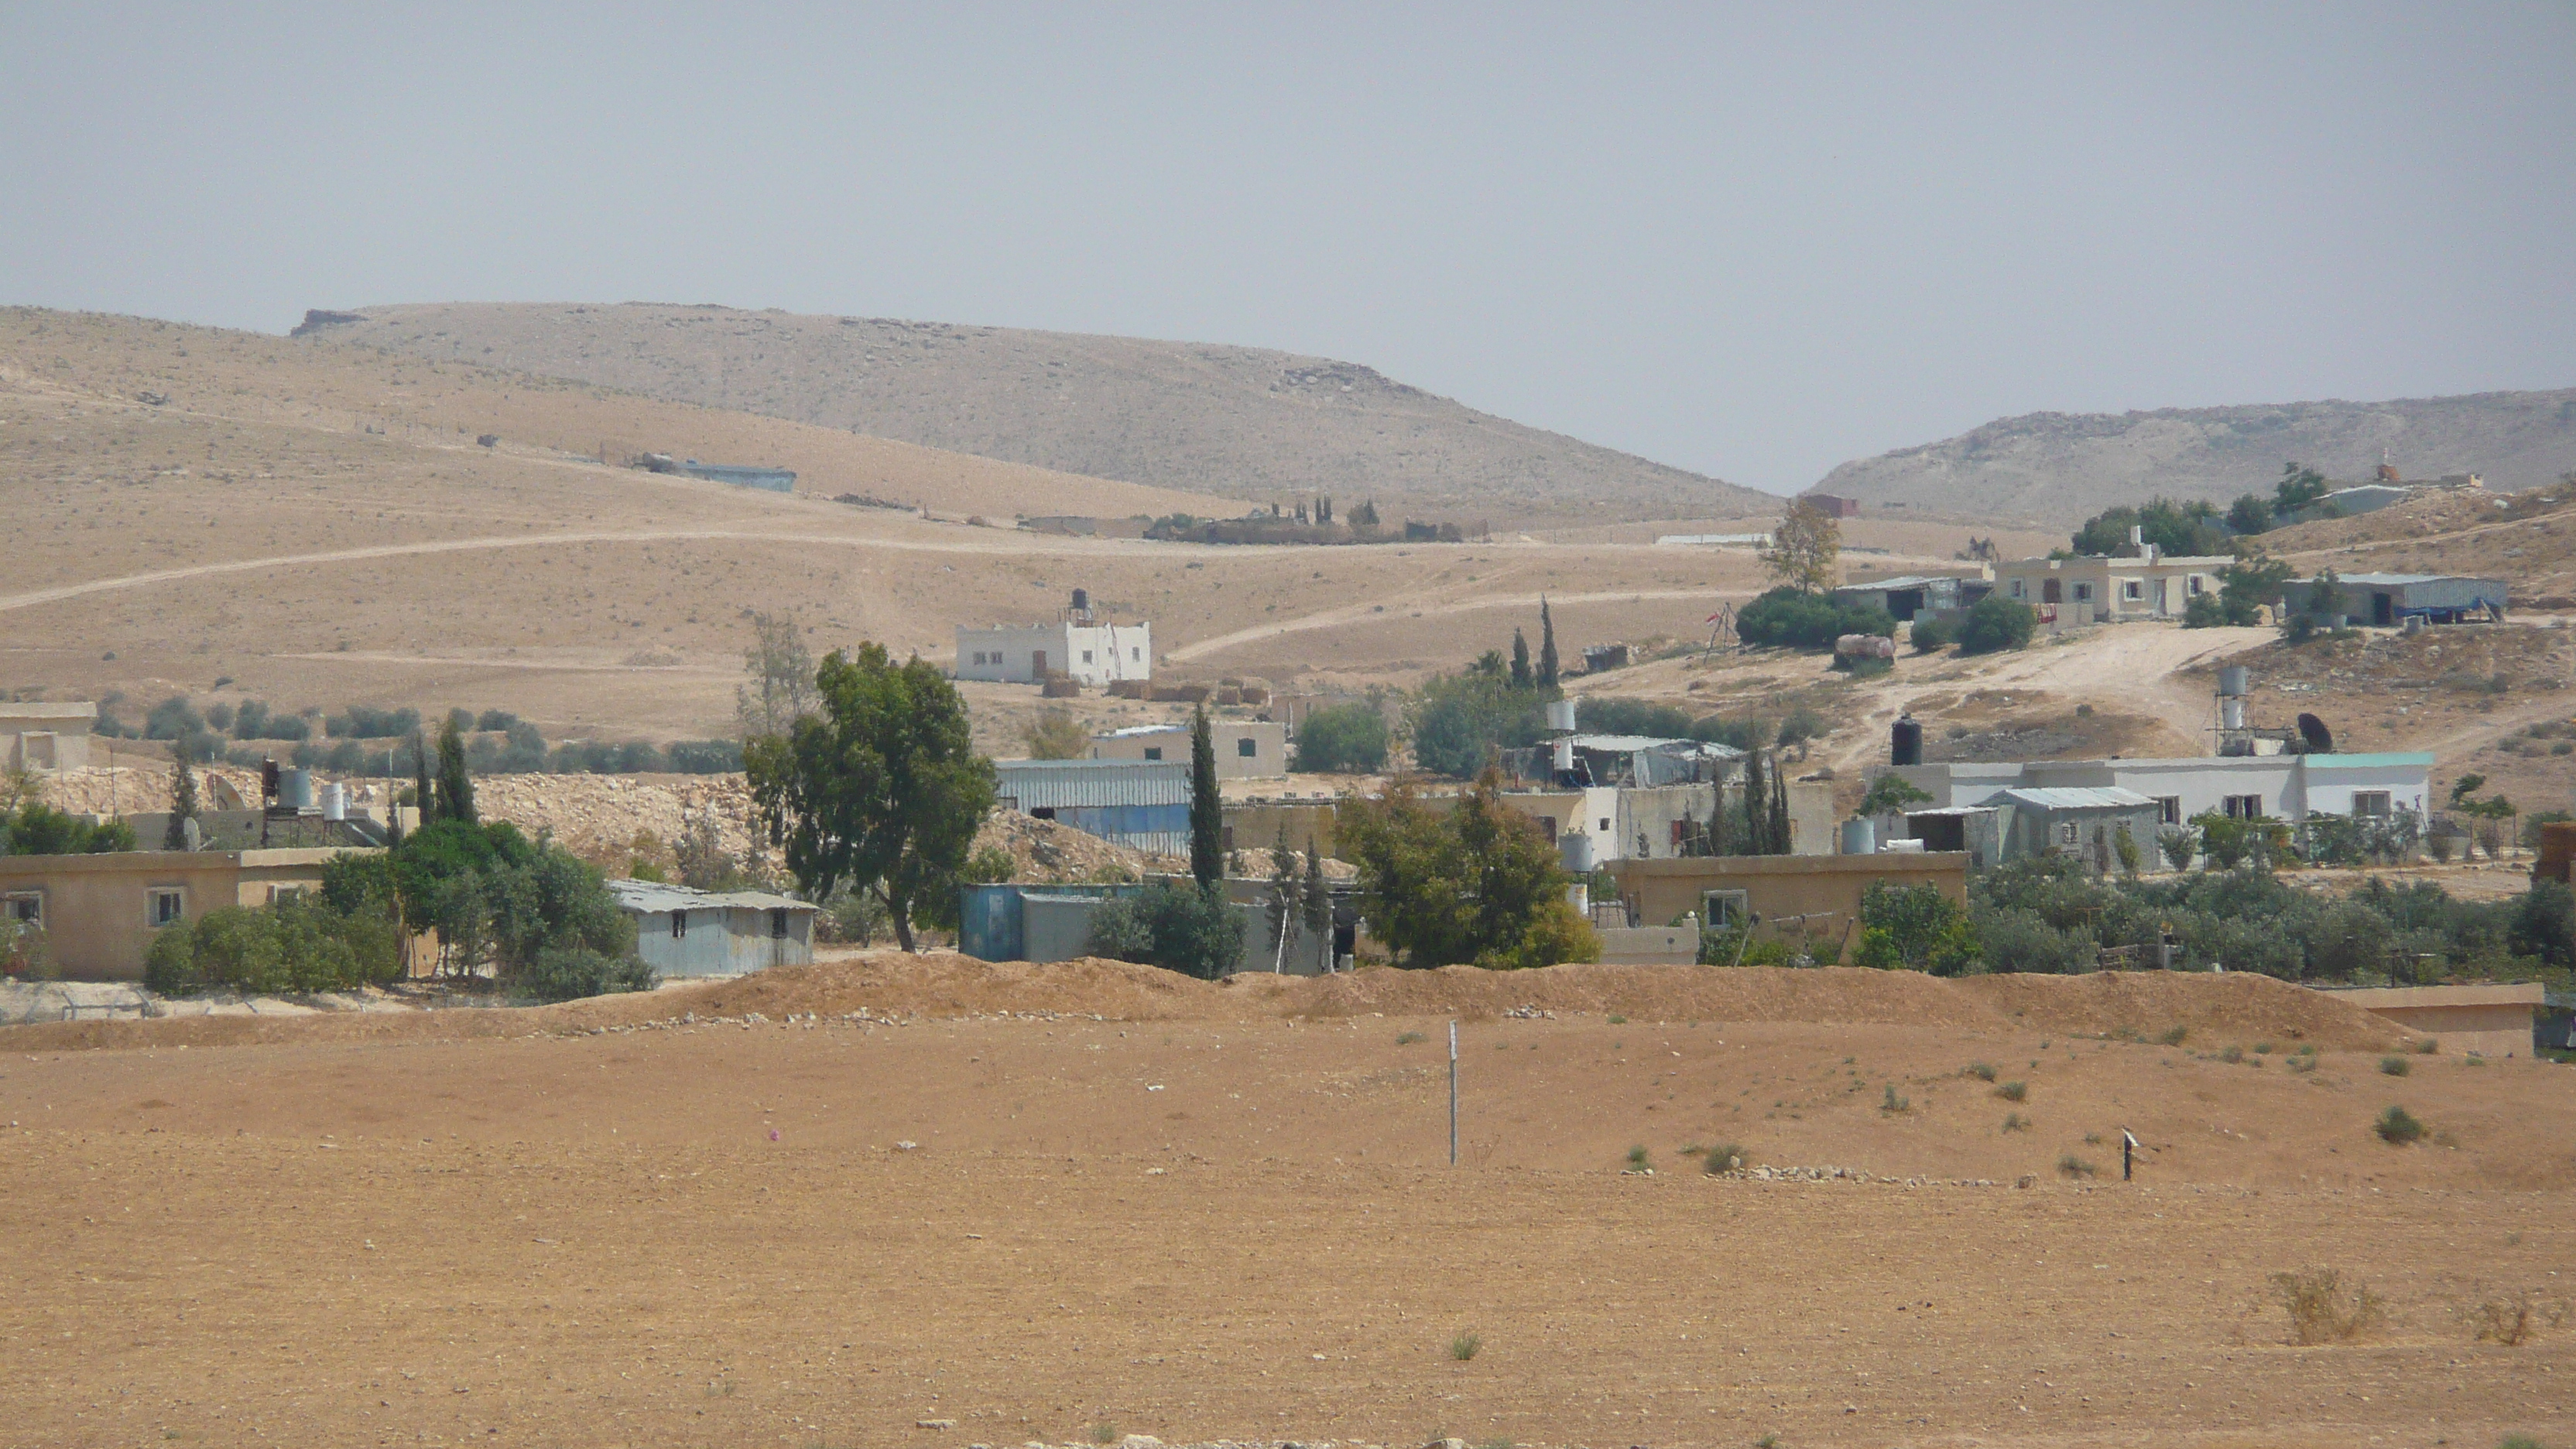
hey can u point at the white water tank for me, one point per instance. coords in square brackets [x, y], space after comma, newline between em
[335, 801]
[1562, 757]
[2234, 681]
[1560, 715]
[1576, 851]
[2231, 712]
[1860, 836]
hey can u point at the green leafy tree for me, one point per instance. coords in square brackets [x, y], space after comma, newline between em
[881, 789]
[1996, 623]
[1547, 658]
[1342, 737]
[1522, 678]
[1792, 618]
[2299, 486]
[1474, 884]
[1207, 806]
[2250, 514]
[424, 795]
[35, 828]
[1915, 928]
[1458, 721]
[2173, 527]
[2250, 585]
[1890, 793]
[778, 688]
[183, 798]
[455, 782]
[1804, 546]
[1178, 926]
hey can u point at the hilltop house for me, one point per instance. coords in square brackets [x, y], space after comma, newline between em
[2075, 591]
[1079, 646]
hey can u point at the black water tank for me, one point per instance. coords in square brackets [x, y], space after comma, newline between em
[1082, 601]
[1905, 742]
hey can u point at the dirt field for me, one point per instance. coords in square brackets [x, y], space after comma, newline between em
[1227, 1211]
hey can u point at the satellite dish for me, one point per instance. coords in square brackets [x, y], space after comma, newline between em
[2313, 730]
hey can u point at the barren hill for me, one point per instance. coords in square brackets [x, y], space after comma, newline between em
[2064, 467]
[1243, 422]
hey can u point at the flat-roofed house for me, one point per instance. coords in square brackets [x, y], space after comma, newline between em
[2074, 591]
[45, 737]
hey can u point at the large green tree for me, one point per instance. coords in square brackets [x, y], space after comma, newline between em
[1475, 883]
[879, 790]
[1207, 806]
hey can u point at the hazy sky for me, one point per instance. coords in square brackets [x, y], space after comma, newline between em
[1752, 242]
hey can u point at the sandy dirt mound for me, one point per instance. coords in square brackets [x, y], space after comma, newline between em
[1649, 993]
[2214, 1010]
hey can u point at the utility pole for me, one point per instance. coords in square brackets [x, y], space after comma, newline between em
[1453, 1094]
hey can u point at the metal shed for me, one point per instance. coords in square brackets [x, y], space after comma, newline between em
[2387, 600]
[1139, 803]
[1910, 594]
[2082, 821]
[685, 932]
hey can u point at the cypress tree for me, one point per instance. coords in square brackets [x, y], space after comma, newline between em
[1547, 661]
[423, 798]
[183, 796]
[1520, 661]
[1779, 812]
[1318, 901]
[455, 786]
[1756, 828]
[1207, 808]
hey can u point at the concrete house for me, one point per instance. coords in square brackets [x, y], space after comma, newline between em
[1907, 595]
[2486, 1018]
[2076, 591]
[1079, 645]
[1245, 749]
[98, 912]
[684, 932]
[1814, 899]
[2150, 795]
[45, 737]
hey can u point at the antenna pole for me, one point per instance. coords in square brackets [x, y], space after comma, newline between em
[1453, 1094]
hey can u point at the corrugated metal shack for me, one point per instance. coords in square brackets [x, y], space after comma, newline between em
[775, 480]
[1910, 594]
[1139, 803]
[2387, 600]
[1016, 921]
[2081, 821]
[685, 932]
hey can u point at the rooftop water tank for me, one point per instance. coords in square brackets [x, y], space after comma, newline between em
[1560, 715]
[295, 789]
[1905, 742]
[1860, 836]
[2235, 681]
[335, 801]
[1576, 851]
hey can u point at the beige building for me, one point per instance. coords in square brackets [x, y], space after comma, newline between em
[44, 737]
[2490, 1020]
[1245, 749]
[1814, 898]
[2074, 591]
[98, 912]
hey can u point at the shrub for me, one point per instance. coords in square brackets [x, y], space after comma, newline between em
[570, 973]
[2320, 1311]
[1344, 737]
[2513, 1321]
[1914, 928]
[1982, 1071]
[1639, 1159]
[2397, 1127]
[1172, 925]
[1802, 724]
[1932, 635]
[1727, 1157]
[2014, 1091]
[704, 757]
[2395, 1066]
[1408, 1038]
[2016, 1122]
[1892, 1102]
[2074, 1166]
[1996, 623]
[1794, 619]
[2173, 1036]
[295, 945]
[2015, 940]
[1465, 1346]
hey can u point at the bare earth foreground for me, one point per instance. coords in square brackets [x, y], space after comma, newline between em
[892, 1200]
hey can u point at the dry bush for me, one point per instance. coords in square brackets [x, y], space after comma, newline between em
[2514, 1321]
[2321, 1311]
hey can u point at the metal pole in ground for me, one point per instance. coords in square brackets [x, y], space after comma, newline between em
[1453, 1094]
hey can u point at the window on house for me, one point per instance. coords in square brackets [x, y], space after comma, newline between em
[27, 908]
[1725, 908]
[279, 895]
[167, 907]
[2168, 809]
[1137, 653]
[1153, 752]
[679, 924]
[2194, 585]
[2083, 593]
[1605, 824]
[1086, 656]
[2370, 802]
[2244, 807]
[2069, 833]
[778, 924]
[1246, 747]
[2133, 588]
[2016, 588]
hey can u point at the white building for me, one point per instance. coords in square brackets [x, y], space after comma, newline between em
[44, 737]
[2283, 787]
[1245, 749]
[1093, 654]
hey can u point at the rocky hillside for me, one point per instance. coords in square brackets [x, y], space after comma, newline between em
[1237, 421]
[2065, 467]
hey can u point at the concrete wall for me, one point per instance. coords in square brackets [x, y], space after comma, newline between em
[2164, 588]
[2494, 1021]
[1778, 886]
[97, 910]
[2291, 786]
[1267, 760]
[1094, 654]
[44, 737]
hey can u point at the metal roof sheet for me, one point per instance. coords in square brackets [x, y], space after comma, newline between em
[653, 896]
[2077, 797]
[1902, 581]
[1628, 744]
[2381, 761]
